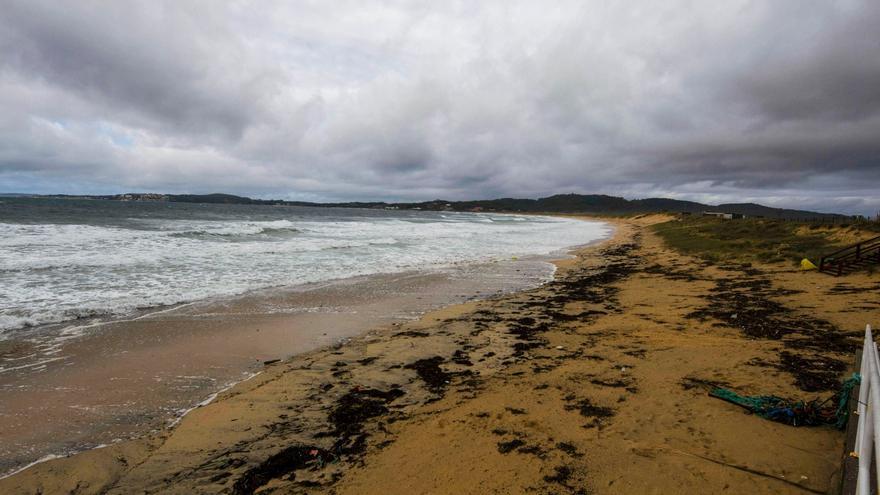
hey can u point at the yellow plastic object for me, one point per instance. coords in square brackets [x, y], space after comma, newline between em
[808, 265]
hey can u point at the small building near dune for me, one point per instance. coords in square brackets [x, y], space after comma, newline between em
[722, 215]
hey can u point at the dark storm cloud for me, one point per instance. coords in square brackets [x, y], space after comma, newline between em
[825, 70]
[142, 64]
[776, 102]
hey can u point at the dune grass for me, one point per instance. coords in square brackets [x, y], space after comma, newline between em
[744, 240]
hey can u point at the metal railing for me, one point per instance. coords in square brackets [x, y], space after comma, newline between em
[868, 410]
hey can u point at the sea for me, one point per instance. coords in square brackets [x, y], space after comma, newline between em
[73, 259]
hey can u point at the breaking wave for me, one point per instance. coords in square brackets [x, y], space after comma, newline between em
[87, 268]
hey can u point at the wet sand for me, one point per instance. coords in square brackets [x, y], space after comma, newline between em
[594, 383]
[69, 391]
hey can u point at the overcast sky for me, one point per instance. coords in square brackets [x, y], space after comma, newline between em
[776, 102]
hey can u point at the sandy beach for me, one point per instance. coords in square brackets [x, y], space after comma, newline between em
[593, 383]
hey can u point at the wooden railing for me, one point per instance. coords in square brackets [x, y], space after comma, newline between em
[852, 257]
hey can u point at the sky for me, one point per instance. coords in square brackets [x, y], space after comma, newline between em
[776, 102]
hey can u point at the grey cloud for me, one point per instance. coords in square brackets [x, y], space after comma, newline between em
[778, 102]
[824, 68]
[144, 63]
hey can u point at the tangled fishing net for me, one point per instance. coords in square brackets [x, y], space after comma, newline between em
[831, 411]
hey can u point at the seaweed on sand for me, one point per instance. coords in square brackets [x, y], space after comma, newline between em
[284, 463]
[432, 374]
[358, 405]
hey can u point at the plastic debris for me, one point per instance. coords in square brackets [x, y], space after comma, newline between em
[808, 265]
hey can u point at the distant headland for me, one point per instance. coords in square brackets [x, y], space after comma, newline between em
[561, 203]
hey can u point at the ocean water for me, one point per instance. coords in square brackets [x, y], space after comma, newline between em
[64, 259]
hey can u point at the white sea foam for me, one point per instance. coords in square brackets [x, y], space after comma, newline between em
[57, 272]
[41, 460]
[211, 398]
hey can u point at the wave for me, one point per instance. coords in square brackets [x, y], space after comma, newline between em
[10, 322]
[244, 234]
[52, 272]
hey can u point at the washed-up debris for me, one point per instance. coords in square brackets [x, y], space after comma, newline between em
[831, 411]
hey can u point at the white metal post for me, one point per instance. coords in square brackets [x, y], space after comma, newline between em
[875, 403]
[865, 433]
[863, 388]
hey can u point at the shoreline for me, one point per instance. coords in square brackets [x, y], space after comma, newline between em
[109, 318]
[431, 289]
[25, 322]
[590, 382]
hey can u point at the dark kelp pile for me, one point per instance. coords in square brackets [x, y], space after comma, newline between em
[582, 286]
[347, 418]
[429, 370]
[745, 301]
[284, 463]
